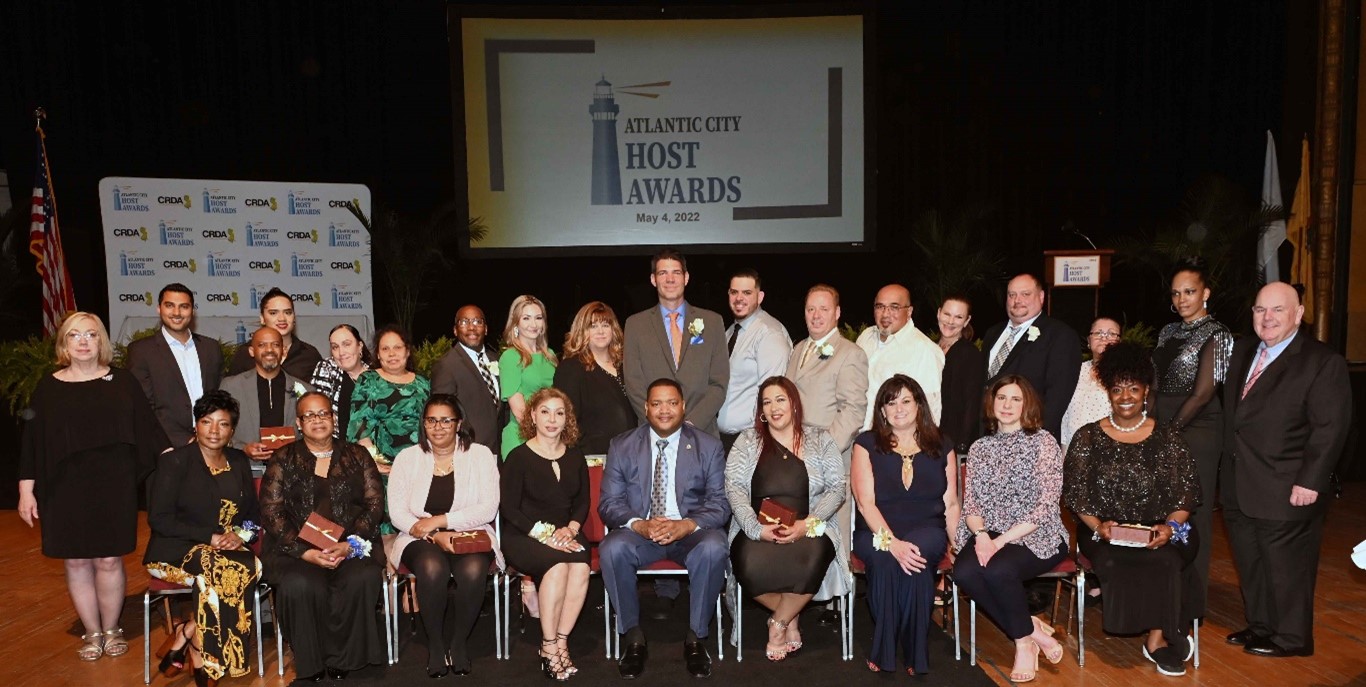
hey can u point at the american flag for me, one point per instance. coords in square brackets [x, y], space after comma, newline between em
[45, 243]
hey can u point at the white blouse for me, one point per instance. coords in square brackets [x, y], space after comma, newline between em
[1089, 403]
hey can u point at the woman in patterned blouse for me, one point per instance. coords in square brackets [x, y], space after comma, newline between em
[1191, 359]
[1011, 529]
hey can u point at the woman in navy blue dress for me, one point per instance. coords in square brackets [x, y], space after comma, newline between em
[904, 476]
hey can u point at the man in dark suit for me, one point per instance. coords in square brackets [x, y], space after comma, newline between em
[266, 393]
[1037, 347]
[469, 372]
[676, 340]
[1288, 408]
[175, 366]
[663, 496]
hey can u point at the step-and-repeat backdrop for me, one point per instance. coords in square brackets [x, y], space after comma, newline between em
[231, 242]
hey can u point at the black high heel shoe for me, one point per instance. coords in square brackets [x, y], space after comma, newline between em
[547, 661]
[462, 669]
[445, 665]
[173, 659]
[568, 666]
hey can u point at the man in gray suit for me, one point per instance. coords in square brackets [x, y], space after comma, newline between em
[266, 393]
[676, 340]
[663, 497]
[467, 371]
[831, 374]
[175, 366]
[759, 347]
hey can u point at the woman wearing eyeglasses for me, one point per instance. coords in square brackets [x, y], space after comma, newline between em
[91, 439]
[325, 597]
[441, 490]
[1191, 359]
[1090, 402]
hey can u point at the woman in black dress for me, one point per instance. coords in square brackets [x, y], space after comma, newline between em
[325, 598]
[544, 504]
[800, 468]
[964, 374]
[1125, 469]
[590, 375]
[905, 482]
[91, 440]
[1192, 358]
[443, 487]
[200, 510]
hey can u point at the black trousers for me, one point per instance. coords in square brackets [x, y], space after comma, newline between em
[1278, 562]
[328, 616]
[999, 588]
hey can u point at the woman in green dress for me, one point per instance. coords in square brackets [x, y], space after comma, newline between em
[526, 365]
[386, 406]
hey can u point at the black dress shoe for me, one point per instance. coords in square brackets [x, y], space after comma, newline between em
[696, 657]
[829, 618]
[632, 662]
[1263, 646]
[337, 673]
[663, 608]
[1242, 637]
[304, 679]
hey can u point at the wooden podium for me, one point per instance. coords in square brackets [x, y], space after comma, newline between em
[1078, 269]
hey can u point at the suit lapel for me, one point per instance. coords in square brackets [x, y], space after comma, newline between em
[1015, 351]
[1273, 371]
[205, 370]
[169, 362]
[686, 338]
[685, 464]
[468, 363]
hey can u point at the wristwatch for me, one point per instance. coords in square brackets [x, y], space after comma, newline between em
[981, 531]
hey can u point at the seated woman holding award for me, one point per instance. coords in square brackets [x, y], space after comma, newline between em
[1132, 486]
[783, 481]
[321, 505]
[443, 496]
[200, 510]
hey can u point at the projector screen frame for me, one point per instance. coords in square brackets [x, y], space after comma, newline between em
[456, 12]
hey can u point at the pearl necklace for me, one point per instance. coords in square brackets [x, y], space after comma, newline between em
[1127, 430]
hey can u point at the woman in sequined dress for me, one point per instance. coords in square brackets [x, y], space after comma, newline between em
[1191, 359]
[1127, 470]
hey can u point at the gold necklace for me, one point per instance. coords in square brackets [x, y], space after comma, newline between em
[907, 464]
[227, 467]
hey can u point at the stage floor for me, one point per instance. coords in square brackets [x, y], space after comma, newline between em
[40, 635]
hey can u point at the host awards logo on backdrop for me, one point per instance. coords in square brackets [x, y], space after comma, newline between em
[219, 264]
[342, 237]
[216, 203]
[126, 199]
[344, 297]
[133, 265]
[261, 236]
[305, 265]
[172, 235]
[302, 204]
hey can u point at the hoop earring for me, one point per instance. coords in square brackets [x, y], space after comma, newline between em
[763, 419]
[1173, 307]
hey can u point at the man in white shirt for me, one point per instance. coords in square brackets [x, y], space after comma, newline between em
[175, 366]
[895, 348]
[759, 348]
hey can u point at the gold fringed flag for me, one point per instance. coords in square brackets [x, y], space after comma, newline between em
[45, 243]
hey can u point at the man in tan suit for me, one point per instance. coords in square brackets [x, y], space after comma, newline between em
[831, 374]
[679, 341]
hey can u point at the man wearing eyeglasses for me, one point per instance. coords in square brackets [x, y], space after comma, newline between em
[894, 348]
[469, 372]
[266, 392]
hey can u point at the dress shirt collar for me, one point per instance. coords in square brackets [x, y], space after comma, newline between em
[175, 343]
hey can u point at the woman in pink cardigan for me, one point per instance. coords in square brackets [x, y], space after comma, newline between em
[440, 491]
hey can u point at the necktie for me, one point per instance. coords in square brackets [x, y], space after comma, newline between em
[734, 334]
[675, 337]
[1256, 371]
[1004, 352]
[810, 348]
[657, 499]
[488, 378]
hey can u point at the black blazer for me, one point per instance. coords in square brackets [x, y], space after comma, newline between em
[455, 373]
[1290, 430]
[183, 504]
[600, 404]
[1051, 363]
[961, 392]
[151, 362]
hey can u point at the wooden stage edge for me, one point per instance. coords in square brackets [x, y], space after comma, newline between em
[38, 623]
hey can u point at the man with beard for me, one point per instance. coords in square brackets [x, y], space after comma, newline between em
[266, 393]
[176, 366]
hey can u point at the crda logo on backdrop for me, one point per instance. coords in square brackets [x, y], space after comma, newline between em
[174, 200]
[261, 203]
[311, 235]
[226, 297]
[346, 265]
[229, 234]
[145, 297]
[130, 233]
[265, 265]
[188, 265]
[314, 298]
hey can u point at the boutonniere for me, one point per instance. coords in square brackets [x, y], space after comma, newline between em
[493, 367]
[826, 350]
[299, 390]
[1033, 333]
[695, 329]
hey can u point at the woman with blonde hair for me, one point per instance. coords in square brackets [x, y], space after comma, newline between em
[90, 440]
[591, 377]
[526, 365]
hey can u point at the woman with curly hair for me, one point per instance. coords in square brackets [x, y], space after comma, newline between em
[1125, 472]
[544, 504]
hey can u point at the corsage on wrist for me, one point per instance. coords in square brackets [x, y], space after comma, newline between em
[815, 527]
[882, 540]
[246, 531]
[360, 548]
[1180, 531]
[542, 532]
